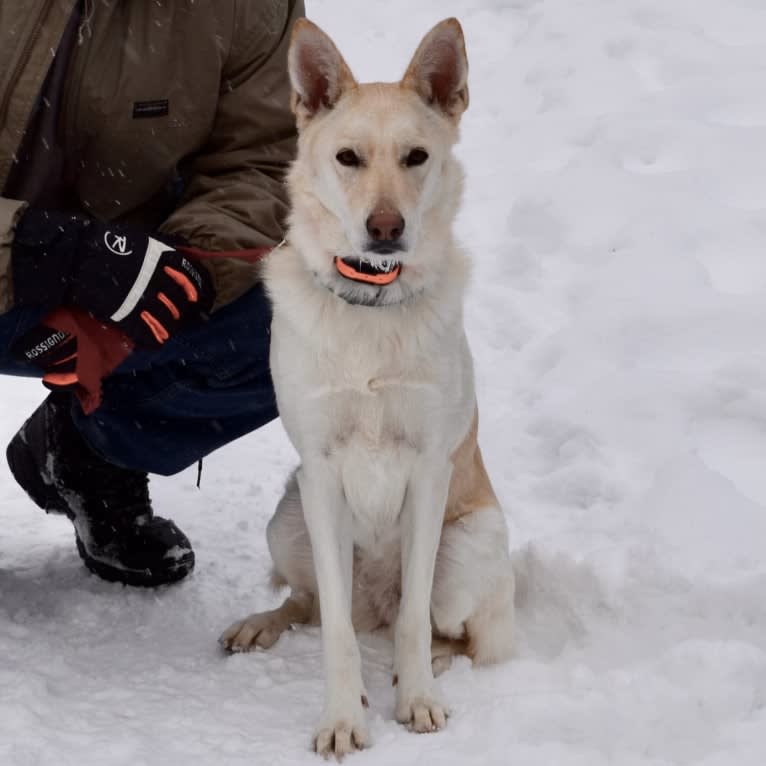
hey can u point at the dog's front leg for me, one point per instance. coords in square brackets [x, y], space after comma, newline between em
[342, 728]
[417, 703]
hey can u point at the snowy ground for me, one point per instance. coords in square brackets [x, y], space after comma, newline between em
[616, 207]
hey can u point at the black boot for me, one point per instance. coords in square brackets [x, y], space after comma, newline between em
[118, 536]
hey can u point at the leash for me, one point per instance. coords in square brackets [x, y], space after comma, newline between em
[251, 255]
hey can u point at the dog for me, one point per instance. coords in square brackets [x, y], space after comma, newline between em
[391, 519]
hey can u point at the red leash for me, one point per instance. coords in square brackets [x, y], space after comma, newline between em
[253, 255]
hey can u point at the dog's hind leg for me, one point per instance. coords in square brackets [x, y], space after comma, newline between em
[290, 544]
[473, 582]
[474, 586]
[261, 630]
[442, 652]
[291, 552]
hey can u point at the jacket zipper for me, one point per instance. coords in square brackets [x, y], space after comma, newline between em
[21, 63]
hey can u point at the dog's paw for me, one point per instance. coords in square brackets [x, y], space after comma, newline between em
[441, 664]
[256, 631]
[422, 713]
[342, 736]
[442, 652]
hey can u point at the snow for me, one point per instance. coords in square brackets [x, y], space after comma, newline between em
[616, 210]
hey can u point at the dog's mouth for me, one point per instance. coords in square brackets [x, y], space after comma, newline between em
[382, 272]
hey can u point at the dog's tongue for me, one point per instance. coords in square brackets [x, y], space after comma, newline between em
[366, 272]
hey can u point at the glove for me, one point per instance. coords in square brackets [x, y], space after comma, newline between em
[53, 351]
[75, 352]
[141, 283]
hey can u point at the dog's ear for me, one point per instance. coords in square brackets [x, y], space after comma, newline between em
[438, 71]
[318, 73]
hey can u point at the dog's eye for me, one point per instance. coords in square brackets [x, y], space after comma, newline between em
[416, 157]
[349, 158]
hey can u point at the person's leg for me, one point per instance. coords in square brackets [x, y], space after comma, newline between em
[161, 411]
[164, 410]
[117, 534]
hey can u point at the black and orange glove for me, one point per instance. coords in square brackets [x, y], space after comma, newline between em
[53, 352]
[144, 285]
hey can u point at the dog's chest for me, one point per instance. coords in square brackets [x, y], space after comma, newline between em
[375, 442]
[369, 411]
[374, 485]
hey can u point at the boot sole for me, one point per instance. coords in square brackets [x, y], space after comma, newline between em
[140, 578]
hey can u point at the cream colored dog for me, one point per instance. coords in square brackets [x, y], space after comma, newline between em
[391, 519]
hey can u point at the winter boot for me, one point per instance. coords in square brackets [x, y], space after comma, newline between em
[117, 534]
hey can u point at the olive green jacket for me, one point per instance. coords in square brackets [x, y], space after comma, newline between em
[223, 132]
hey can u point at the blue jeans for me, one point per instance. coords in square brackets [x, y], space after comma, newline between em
[164, 410]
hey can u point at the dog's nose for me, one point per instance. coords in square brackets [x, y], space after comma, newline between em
[385, 226]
